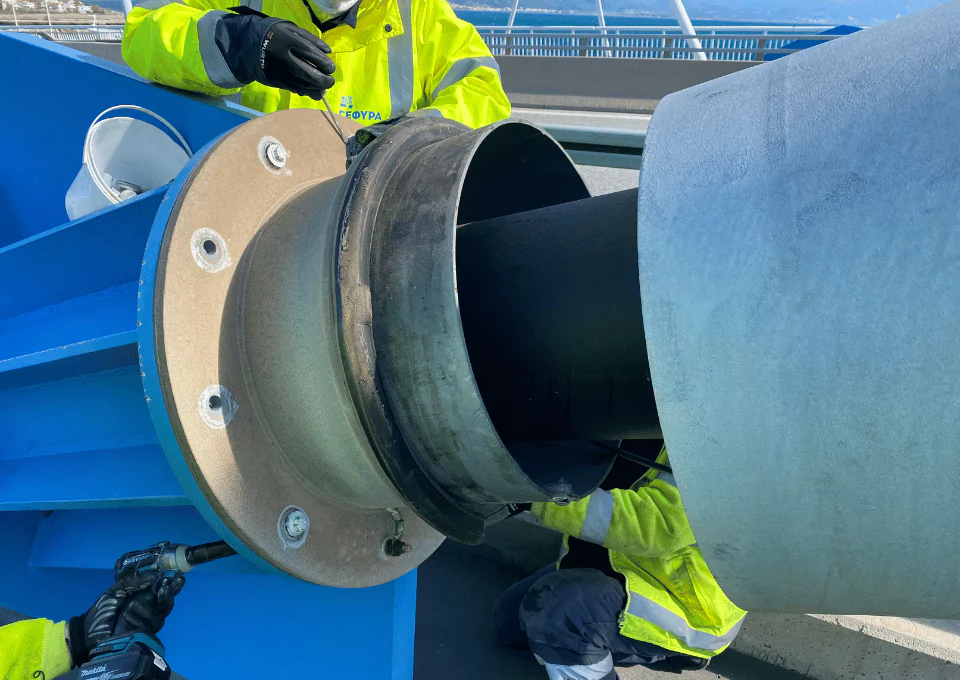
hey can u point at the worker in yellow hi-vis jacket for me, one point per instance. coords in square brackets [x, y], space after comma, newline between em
[630, 587]
[377, 60]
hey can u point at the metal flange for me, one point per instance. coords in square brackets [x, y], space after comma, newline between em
[244, 325]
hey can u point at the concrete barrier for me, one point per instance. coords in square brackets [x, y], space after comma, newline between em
[601, 84]
[854, 647]
[105, 50]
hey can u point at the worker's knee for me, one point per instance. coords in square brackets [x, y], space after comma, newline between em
[568, 603]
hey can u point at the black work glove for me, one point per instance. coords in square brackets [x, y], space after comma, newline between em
[506, 512]
[127, 607]
[517, 508]
[145, 611]
[275, 52]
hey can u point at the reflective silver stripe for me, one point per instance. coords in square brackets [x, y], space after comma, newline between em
[252, 4]
[400, 58]
[461, 69]
[660, 616]
[157, 4]
[596, 525]
[213, 62]
[594, 671]
[235, 98]
[667, 478]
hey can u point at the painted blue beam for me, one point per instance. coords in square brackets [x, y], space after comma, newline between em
[72, 291]
[77, 322]
[88, 412]
[94, 356]
[74, 259]
[105, 478]
[63, 354]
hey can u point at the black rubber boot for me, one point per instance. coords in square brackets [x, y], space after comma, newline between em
[676, 665]
[688, 663]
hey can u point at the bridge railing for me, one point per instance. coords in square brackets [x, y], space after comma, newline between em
[734, 43]
[71, 33]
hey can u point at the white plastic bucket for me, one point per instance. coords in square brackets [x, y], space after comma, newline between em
[123, 157]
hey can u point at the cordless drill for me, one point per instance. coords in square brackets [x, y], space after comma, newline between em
[156, 572]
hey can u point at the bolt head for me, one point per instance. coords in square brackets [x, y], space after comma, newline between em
[276, 155]
[296, 524]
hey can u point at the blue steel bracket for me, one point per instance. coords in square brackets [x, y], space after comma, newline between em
[84, 475]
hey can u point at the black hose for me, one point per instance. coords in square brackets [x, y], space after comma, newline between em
[207, 552]
[634, 457]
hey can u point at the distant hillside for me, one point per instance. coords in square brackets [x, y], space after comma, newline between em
[863, 12]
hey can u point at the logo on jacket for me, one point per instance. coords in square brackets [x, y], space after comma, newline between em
[347, 111]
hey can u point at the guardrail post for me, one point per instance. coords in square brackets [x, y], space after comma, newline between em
[508, 45]
[667, 47]
[761, 46]
[584, 49]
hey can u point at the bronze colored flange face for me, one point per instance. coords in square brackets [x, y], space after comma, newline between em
[250, 362]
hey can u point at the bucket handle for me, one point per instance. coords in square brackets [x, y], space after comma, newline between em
[88, 159]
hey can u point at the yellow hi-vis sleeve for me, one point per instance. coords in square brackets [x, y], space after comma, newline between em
[458, 76]
[33, 649]
[172, 42]
[646, 522]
